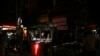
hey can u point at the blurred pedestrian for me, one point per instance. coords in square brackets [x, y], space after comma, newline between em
[89, 44]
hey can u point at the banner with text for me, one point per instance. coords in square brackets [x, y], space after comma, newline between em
[60, 22]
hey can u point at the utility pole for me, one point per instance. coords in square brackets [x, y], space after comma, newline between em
[54, 3]
[16, 9]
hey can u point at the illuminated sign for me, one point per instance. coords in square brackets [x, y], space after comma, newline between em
[8, 27]
[60, 22]
[44, 18]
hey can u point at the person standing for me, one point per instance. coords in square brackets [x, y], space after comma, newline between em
[89, 45]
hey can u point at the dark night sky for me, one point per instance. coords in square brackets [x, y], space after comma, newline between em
[8, 9]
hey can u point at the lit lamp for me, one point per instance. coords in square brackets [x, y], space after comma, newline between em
[24, 32]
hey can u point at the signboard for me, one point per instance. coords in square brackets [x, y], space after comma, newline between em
[8, 27]
[44, 18]
[60, 22]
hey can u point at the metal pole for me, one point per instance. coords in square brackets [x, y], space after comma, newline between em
[76, 32]
[16, 9]
[54, 3]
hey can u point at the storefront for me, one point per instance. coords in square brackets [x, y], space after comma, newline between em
[41, 36]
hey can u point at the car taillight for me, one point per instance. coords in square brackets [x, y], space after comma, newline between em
[36, 47]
